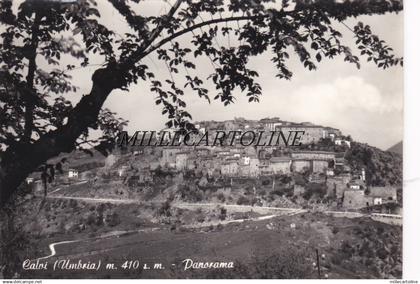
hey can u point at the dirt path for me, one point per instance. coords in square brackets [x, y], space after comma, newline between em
[174, 204]
[53, 246]
[392, 219]
[269, 212]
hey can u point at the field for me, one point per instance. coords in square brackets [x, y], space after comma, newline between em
[280, 247]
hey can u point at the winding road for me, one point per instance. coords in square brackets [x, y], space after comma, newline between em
[233, 207]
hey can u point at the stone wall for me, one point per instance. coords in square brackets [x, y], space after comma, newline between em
[355, 199]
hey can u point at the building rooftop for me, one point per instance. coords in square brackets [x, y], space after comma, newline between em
[312, 152]
[382, 191]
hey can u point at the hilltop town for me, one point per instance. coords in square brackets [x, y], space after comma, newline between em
[165, 203]
[322, 173]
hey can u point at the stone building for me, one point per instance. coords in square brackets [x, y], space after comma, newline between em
[73, 173]
[207, 165]
[340, 141]
[169, 156]
[313, 155]
[270, 124]
[191, 163]
[254, 164]
[314, 161]
[230, 167]
[319, 166]
[122, 171]
[264, 167]
[300, 165]
[202, 151]
[383, 194]
[355, 199]
[338, 184]
[298, 189]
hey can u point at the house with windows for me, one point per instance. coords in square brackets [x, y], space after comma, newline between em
[382, 194]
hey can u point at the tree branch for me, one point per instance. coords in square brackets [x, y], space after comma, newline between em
[156, 32]
[20, 159]
[30, 95]
[200, 25]
[134, 21]
[361, 8]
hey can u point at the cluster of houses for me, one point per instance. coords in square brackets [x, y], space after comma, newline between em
[328, 168]
[354, 193]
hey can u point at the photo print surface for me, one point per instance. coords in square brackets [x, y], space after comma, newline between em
[221, 139]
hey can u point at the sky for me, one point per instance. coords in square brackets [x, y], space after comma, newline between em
[365, 103]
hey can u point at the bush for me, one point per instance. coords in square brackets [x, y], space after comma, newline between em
[100, 209]
[221, 197]
[255, 201]
[314, 189]
[242, 200]
[382, 253]
[286, 265]
[277, 192]
[15, 245]
[188, 193]
[73, 203]
[91, 219]
[112, 219]
[165, 209]
[347, 248]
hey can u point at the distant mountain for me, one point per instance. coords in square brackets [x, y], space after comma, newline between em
[382, 167]
[397, 148]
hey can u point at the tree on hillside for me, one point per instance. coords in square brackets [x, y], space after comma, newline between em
[38, 121]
